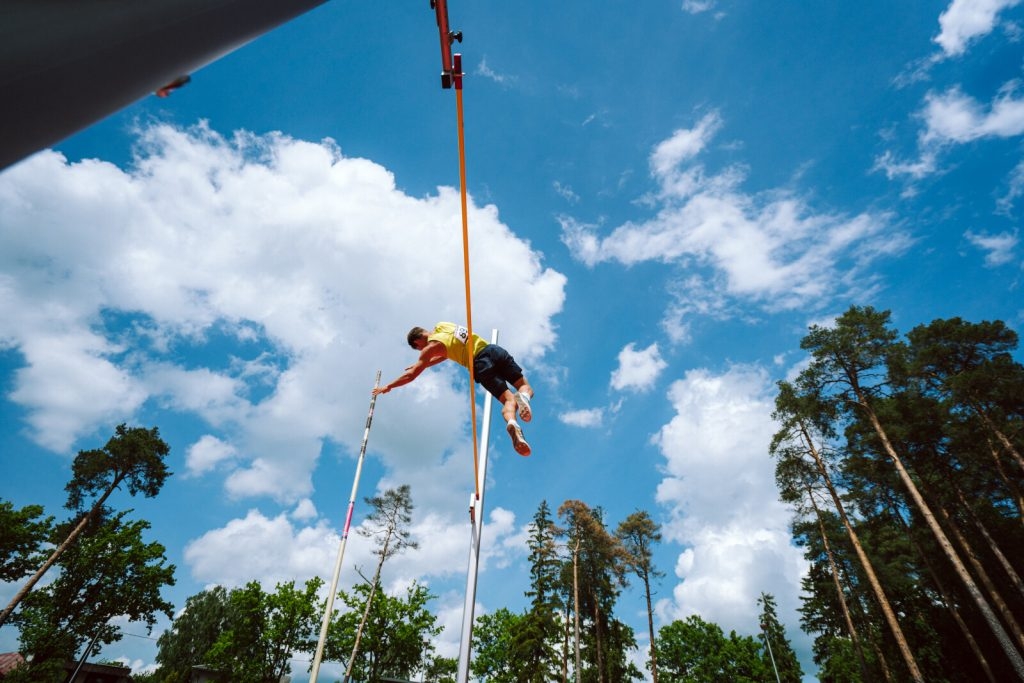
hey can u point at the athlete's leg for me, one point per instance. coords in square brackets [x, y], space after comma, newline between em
[508, 405]
[515, 432]
[524, 392]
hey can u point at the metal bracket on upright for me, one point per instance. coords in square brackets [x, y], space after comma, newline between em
[449, 71]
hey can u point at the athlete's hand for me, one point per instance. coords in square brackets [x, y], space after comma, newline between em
[377, 391]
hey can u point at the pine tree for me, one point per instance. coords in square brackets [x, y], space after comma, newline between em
[389, 527]
[598, 577]
[848, 371]
[638, 533]
[780, 652]
[537, 632]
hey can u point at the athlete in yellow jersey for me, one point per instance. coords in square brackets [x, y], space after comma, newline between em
[493, 367]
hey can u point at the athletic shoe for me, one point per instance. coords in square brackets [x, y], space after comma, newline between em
[518, 442]
[523, 401]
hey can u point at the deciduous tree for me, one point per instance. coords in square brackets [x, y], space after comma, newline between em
[397, 637]
[192, 634]
[696, 651]
[493, 658]
[22, 535]
[245, 633]
[111, 572]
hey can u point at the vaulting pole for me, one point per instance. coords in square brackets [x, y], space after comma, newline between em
[476, 518]
[315, 671]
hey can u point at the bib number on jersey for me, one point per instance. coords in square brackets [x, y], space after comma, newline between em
[461, 333]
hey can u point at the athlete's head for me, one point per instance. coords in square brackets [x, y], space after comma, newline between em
[414, 334]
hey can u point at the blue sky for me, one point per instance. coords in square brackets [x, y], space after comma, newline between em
[662, 197]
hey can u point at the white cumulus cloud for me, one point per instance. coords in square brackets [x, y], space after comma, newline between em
[265, 261]
[773, 248]
[207, 453]
[638, 369]
[720, 492]
[590, 417]
[964, 21]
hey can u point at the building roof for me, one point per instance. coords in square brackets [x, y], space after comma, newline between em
[9, 661]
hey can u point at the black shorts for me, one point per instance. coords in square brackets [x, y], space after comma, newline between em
[494, 368]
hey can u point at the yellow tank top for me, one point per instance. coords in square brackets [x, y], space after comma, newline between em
[454, 339]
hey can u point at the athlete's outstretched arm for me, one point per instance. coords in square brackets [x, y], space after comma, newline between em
[432, 354]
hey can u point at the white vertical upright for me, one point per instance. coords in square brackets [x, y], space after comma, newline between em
[476, 527]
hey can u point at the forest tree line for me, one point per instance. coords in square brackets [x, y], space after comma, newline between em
[903, 460]
[103, 568]
[901, 457]
[569, 632]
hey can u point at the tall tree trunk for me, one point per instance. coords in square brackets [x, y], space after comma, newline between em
[1011, 484]
[1002, 438]
[366, 610]
[992, 545]
[565, 645]
[650, 629]
[993, 621]
[874, 635]
[576, 603]
[869, 570]
[947, 600]
[597, 641]
[983, 577]
[882, 662]
[834, 570]
[79, 528]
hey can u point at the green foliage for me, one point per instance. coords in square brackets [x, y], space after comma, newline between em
[695, 651]
[534, 635]
[22, 535]
[838, 658]
[582, 559]
[638, 533]
[388, 523]
[111, 572]
[134, 457]
[246, 634]
[599, 572]
[922, 439]
[781, 654]
[49, 671]
[396, 640]
[192, 634]
[493, 658]
[441, 670]
[617, 665]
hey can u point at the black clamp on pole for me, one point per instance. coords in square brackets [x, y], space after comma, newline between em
[449, 71]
